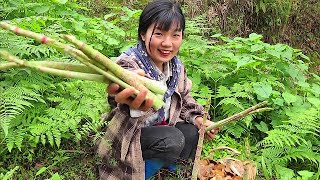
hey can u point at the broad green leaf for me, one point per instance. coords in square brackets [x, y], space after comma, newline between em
[78, 26]
[315, 101]
[316, 89]
[292, 71]
[278, 101]
[98, 47]
[258, 58]
[112, 41]
[303, 84]
[109, 15]
[41, 170]
[263, 90]
[287, 54]
[285, 173]
[303, 66]
[246, 61]
[55, 177]
[256, 47]
[216, 35]
[42, 9]
[289, 98]
[254, 37]
[280, 47]
[316, 76]
[273, 53]
[304, 56]
[60, 1]
[262, 127]
[306, 175]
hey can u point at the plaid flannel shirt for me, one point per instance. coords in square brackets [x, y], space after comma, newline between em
[119, 148]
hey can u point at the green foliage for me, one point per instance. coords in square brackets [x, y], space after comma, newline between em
[240, 72]
[9, 174]
[39, 112]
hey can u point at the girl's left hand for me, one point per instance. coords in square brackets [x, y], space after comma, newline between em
[210, 134]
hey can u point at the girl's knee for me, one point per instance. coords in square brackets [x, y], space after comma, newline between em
[175, 141]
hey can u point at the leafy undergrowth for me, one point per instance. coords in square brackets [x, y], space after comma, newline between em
[70, 161]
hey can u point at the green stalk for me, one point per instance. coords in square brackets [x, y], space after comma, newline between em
[253, 109]
[129, 76]
[42, 39]
[64, 73]
[125, 75]
[64, 66]
[157, 102]
[51, 64]
[6, 66]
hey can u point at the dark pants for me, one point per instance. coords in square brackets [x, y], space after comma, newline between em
[168, 143]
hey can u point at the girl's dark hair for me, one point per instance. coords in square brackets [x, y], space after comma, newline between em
[163, 13]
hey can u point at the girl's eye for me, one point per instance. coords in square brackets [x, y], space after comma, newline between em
[158, 33]
[176, 35]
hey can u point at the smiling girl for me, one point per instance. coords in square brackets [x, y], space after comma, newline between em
[139, 140]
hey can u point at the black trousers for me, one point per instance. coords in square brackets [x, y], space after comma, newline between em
[169, 143]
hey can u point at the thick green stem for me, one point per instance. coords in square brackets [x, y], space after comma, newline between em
[64, 66]
[52, 64]
[63, 73]
[131, 78]
[125, 75]
[6, 66]
[239, 115]
[157, 102]
[42, 39]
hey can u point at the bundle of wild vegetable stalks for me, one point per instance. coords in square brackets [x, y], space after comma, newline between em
[95, 67]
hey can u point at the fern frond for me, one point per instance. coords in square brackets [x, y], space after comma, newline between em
[281, 138]
[231, 101]
[12, 102]
[303, 153]
[237, 129]
[273, 152]
[9, 141]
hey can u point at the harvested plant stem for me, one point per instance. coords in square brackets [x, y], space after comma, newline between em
[95, 60]
[57, 72]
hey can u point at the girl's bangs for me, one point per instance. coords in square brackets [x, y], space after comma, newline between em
[165, 21]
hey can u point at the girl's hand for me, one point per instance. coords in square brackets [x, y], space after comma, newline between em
[125, 96]
[210, 134]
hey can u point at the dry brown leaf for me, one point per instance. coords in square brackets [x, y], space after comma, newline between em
[237, 178]
[219, 167]
[237, 167]
[204, 162]
[204, 170]
[250, 171]
[214, 173]
[218, 177]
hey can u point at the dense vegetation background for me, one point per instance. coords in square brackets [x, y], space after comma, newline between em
[237, 52]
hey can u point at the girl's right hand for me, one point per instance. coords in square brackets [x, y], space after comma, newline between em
[125, 96]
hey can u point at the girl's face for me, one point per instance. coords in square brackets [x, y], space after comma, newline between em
[162, 45]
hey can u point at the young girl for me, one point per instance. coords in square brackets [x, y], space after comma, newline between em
[139, 140]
